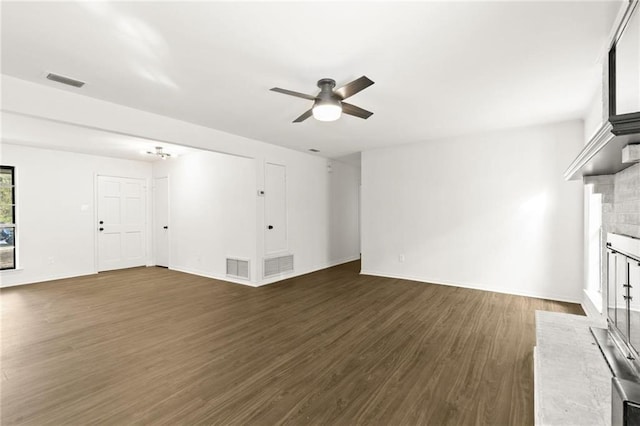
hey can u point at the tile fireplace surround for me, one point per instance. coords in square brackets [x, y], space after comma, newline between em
[571, 377]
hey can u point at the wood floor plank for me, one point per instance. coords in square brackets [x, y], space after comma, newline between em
[155, 346]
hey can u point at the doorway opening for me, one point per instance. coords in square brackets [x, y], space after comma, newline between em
[161, 221]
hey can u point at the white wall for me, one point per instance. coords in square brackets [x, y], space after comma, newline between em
[56, 210]
[314, 196]
[488, 211]
[344, 236]
[594, 116]
[312, 192]
[212, 209]
[215, 212]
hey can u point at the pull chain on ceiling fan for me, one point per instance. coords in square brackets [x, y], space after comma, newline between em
[329, 104]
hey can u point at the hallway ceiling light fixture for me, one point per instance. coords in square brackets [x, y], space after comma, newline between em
[159, 152]
[328, 105]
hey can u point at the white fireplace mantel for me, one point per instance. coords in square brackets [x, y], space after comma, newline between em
[602, 155]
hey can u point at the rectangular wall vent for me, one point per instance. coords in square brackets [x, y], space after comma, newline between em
[238, 268]
[278, 265]
[65, 80]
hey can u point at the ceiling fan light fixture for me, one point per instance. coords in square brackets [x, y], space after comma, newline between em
[326, 111]
[328, 105]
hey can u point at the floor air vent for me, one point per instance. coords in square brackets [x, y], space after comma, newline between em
[238, 268]
[278, 265]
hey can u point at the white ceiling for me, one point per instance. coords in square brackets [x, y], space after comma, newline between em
[440, 68]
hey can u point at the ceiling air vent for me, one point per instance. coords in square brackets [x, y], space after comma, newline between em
[65, 80]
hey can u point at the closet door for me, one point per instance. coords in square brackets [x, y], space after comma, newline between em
[275, 208]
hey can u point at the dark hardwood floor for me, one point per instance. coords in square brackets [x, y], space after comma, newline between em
[154, 346]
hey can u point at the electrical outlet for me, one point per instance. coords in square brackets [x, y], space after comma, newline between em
[401, 258]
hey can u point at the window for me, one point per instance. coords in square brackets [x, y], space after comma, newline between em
[7, 218]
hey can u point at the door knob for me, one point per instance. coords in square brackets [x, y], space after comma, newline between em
[101, 222]
[270, 227]
[100, 229]
[165, 227]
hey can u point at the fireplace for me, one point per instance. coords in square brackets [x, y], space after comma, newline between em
[620, 342]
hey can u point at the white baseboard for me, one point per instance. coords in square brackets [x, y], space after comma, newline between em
[212, 276]
[264, 282]
[313, 269]
[45, 280]
[474, 287]
[193, 272]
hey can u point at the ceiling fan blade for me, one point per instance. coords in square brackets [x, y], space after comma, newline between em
[355, 111]
[354, 87]
[292, 93]
[304, 116]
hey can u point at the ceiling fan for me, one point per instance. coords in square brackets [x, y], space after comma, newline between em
[328, 105]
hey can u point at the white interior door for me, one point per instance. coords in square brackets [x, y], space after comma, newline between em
[121, 223]
[161, 221]
[275, 188]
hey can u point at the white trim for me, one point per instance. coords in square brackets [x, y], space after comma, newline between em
[622, 21]
[590, 308]
[314, 269]
[95, 223]
[536, 386]
[474, 287]
[47, 280]
[225, 278]
[198, 273]
[601, 138]
[4, 271]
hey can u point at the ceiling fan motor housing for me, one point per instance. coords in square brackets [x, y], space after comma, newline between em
[327, 95]
[326, 86]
